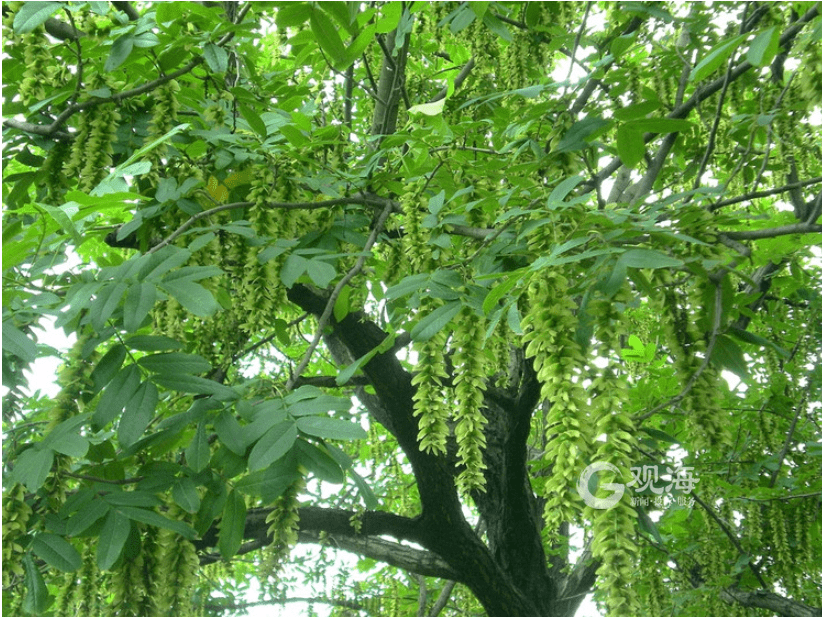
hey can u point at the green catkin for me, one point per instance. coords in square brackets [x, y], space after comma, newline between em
[37, 58]
[172, 578]
[54, 180]
[469, 387]
[128, 588]
[163, 119]
[615, 442]
[16, 515]
[429, 397]
[283, 524]
[98, 128]
[549, 325]
[87, 596]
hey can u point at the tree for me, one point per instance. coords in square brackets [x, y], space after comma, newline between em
[388, 278]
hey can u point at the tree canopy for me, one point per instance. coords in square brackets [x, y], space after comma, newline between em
[387, 278]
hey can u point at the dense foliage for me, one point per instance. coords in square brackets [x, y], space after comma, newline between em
[385, 278]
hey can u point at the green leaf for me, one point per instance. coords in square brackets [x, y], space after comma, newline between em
[70, 445]
[369, 498]
[175, 362]
[637, 110]
[659, 125]
[56, 552]
[141, 499]
[216, 58]
[17, 343]
[32, 468]
[152, 343]
[391, 12]
[319, 462]
[232, 525]
[119, 52]
[292, 269]
[86, 517]
[194, 298]
[563, 189]
[195, 385]
[112, 539]
[107, 301]
[320, 272]
[313, 405]
[254, 121]
[61, 216]
[764, 47]
[271, 482]
[149, 517]
[406, 286]
[115, 395]
[428, 109]
[230, 433]
[728, 355]
[273, 445]
[330, 428]
[198, 452]
[715, 58]
[32, 14]
[360, 44]
[579, 136]
[500, 291]
[754, 339]
[435, 321]
[341, 12]
[138, 414]
[107, 367]
[184, 492]
[648, 258]
[630, 145]
[497, 27]
[292, 14]
[327, 38]
[139, 301]
[37, 594]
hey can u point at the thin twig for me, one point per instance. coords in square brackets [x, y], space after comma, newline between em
[266, 339]
[774, 232]
[463, 75]
[577, 39]
[787, 444]
[732, 537]
[325, 318]
[764, 193]
[79, 476]
[79, 84]
[703, 365]
[709, 149]
[302, 205]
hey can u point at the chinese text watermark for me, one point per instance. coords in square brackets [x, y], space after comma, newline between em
[644, 479]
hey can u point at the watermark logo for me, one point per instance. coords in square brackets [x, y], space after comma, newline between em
[599, 503]
[643, 479]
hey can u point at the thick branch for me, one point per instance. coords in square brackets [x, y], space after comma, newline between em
[773, 232]
[765, 193]
[682, 111]
[61, 30]
[126, 7]
[407, 558]
[770, 602]
[442, 527]
[300, 205]
[463, 75]
[68, 112]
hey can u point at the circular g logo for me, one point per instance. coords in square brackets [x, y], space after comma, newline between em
[600, 503]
